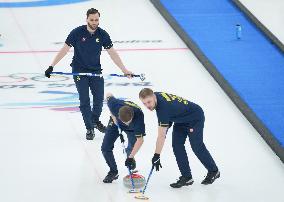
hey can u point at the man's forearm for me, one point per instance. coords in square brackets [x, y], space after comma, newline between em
[136, 147]
[116, 59]
[159, 144]
[63, 51]
[162, 131]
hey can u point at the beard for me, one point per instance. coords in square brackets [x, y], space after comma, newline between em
[94, 27]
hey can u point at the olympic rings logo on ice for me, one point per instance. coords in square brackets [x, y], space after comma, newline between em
[22, 77]
[61, 91]
[39, 3]
[34, 80]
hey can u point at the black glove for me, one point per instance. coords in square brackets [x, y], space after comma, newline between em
[156, 161]
[130, 163]
[48, 71]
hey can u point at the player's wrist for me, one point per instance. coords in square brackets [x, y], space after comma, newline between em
[123, 68]
[156, 155]
[108, 96]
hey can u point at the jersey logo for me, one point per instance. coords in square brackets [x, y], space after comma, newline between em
[170, 98]
[83, 39]
[97, 40]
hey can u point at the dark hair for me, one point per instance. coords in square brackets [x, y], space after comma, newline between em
[125, 113]
[92, 11]
[145, 92]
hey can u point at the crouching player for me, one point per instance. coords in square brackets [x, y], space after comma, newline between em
[188, 119]
[128, 117]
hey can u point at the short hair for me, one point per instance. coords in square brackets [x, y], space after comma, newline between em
[145, 92]
[92, 11]
[125, 113]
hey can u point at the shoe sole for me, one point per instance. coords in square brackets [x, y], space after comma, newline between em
[186, 184]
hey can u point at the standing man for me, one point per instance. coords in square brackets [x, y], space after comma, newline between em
[188, 119]
[88, 41]
[128, 117]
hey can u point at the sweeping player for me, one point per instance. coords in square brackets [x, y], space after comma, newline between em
[188, 119]
[128, 117]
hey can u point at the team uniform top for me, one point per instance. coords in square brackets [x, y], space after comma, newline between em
[87, 49]
[171, 108]
[137, 125]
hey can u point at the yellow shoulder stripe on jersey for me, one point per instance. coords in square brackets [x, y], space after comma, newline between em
[131, 104]
[165, 95]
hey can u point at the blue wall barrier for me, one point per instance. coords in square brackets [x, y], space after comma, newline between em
[253, 67]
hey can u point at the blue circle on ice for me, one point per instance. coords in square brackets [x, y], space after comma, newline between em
[38, 3]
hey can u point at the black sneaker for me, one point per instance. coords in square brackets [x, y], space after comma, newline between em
[112, 175]
[211, 177]
[90, 134]
[183, 181]
[100, 127]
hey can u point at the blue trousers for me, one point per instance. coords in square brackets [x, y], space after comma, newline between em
[110, 137]
[84, 84]
[180, 133]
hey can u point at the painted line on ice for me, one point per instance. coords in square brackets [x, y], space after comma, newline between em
[121, 50]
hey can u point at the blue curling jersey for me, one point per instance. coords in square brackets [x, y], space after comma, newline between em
[137, 125]
[87, 49]
[171, 108]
